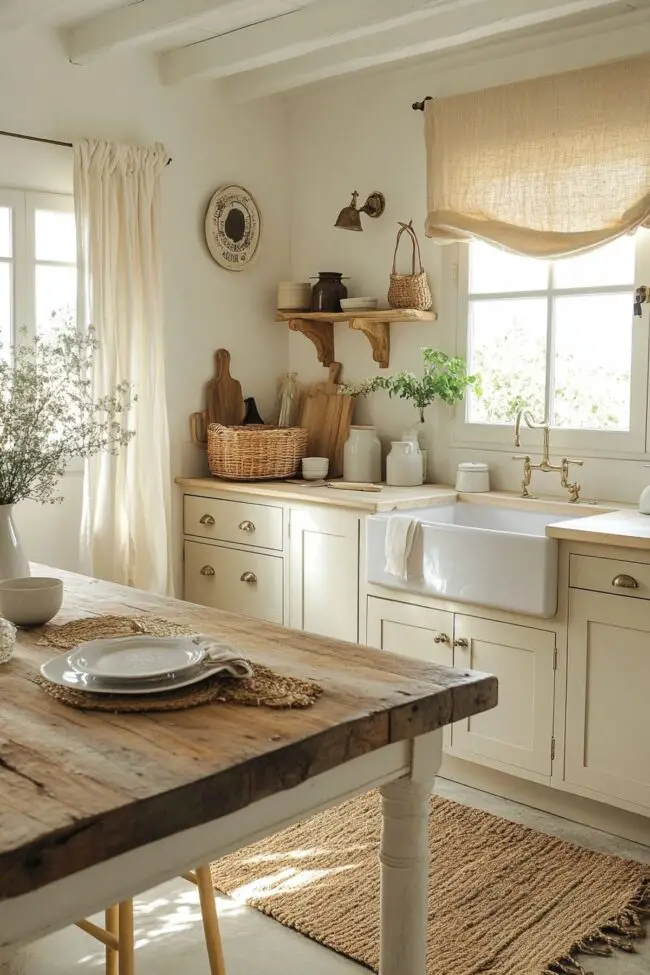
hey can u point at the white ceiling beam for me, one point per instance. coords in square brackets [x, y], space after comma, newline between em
[320, 25]
[21, 13]
[135, 24]
[450, 29]
[332, 23]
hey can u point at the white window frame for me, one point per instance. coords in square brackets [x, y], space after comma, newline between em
[24, 204]
[589, 443]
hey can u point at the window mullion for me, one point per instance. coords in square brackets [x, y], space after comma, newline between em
[550, 347]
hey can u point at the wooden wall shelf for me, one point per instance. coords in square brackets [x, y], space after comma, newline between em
[318, 327]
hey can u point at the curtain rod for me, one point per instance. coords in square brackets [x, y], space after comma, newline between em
[419, 106]
[38, 138]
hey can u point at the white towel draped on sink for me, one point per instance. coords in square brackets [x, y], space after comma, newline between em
[401, 533]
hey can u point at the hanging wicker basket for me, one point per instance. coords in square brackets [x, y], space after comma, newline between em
[409, 290]
[255, 452]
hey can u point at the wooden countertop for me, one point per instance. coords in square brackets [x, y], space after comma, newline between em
[622, 528]
[81, 787]
[388, 499]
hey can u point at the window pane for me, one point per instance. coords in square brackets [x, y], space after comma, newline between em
[508, 348]
[610, 264]
[593, 356]
[492, 269]
[56, 237]
[6, 242]
[56, 297]
[5, 308]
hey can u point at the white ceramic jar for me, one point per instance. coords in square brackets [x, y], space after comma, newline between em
[362, 456]
[473, 477]
[413, 436]
[404, 464]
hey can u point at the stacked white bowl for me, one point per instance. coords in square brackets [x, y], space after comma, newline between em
[315, 468]
[359, 304]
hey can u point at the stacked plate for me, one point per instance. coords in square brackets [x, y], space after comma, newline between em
[359, 304]
[143, 664]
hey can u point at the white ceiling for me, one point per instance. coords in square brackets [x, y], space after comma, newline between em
[263, 47]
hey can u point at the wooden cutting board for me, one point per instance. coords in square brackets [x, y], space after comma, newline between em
[327, 416]
[225, 401]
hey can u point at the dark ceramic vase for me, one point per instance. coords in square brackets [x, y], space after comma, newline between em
[327, 292]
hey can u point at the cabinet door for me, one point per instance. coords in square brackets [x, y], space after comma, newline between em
[235, 580]
[519, 731]
[607, 713]
[324, 572]
[412, 631]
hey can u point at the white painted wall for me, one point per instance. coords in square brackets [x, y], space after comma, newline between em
[362, 134]
[211, 143]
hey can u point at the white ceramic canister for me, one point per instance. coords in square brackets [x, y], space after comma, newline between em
[404, 464]
[413, 436]
[294, 296]
[362, 456]
[473, 477]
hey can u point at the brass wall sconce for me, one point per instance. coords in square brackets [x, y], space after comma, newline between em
[350, 216]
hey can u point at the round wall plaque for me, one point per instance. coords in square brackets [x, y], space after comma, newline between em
[232, 227]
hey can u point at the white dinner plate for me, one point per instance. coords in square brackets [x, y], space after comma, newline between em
[135, 657]
[58, 671]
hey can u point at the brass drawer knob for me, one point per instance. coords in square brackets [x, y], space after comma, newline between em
[207, 570]
[461, 643]
[624, 581]
[248, 577]
[441, 638]
[246, 526]
[206, 520]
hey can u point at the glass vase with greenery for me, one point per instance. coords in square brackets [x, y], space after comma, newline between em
[49, 415]
[445, 378]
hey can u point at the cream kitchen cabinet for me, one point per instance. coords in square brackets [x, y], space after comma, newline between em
[607, 747]
[324, 572]
[519, 736]
[236, 580]
[412, 631]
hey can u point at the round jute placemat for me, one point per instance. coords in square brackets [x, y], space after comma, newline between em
[264, 689]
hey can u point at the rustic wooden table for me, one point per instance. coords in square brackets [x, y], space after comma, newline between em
[96, 807]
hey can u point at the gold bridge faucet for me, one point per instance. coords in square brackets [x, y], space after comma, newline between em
[545, 465]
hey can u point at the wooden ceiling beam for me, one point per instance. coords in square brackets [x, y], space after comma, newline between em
[487, 20]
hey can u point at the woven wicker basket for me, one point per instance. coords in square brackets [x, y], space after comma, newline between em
[409, 290]
[257, 452]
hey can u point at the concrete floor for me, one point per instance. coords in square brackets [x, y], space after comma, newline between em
[169, 933]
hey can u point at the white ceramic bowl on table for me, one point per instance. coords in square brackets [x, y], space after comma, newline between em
[31, 601]
[315, 468]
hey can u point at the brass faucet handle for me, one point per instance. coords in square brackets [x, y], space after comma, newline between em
[521, 456]
[578, 463]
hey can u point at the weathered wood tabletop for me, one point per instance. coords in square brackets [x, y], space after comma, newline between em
[78, 788]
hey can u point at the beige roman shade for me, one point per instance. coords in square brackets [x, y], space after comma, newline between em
[545, 168]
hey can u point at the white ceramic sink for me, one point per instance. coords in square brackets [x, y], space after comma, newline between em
[497, 557]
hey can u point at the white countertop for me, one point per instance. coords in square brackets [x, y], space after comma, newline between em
[623, 528]
[388, 499]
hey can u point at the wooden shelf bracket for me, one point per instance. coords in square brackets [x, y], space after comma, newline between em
[321, 334]
[378, 334]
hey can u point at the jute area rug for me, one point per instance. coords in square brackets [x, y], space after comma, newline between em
[503, 899]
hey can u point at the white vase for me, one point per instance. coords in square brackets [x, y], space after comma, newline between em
[362, 456]
[404, 464]
[13, 561]
[412, 435]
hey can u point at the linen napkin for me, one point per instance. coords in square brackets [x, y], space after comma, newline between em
[219, 653]
[401, 533]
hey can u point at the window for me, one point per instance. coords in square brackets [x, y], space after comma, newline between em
[559, 338]
[38, 250]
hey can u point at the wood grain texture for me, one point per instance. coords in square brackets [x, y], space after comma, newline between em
[378, 315]
[319, 332]
[224, 398]
[80, 787]
[327, 416]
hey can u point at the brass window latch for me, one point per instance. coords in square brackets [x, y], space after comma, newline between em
[641, 297]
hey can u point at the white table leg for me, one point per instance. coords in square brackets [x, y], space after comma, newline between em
[404, 856]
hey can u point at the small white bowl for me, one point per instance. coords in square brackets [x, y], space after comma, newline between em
[31, 601]
[359, 304]
[315, 468]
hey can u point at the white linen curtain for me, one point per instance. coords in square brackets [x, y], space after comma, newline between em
[125, 534]
[544, 168]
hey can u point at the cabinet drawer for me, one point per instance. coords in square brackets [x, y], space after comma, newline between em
[233, 521]
[610, 575]
[234, 580]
